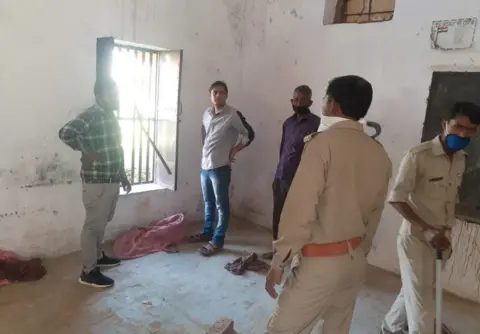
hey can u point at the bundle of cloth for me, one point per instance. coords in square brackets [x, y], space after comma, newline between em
[160, 235]
[13, 269]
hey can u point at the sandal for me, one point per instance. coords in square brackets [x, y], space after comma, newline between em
[242, 264]
[210, 249]
[200, 237]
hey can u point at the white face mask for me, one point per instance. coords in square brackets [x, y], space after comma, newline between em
[328, 121]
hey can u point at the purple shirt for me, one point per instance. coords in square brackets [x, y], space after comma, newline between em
[291, 146]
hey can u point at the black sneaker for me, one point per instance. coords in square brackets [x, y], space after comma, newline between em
[107, 262]
[96, 279]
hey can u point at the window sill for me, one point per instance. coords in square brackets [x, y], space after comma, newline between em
[142, 188]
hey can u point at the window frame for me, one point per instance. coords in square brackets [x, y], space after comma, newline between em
[341, 16]
[104, 58]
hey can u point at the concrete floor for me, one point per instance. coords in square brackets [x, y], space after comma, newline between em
[181, 293]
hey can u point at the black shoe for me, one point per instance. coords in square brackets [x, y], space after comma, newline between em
[107, 262]
[96, 279]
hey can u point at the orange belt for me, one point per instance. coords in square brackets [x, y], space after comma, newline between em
[331, 249]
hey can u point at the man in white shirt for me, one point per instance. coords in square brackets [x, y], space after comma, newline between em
[224, 135]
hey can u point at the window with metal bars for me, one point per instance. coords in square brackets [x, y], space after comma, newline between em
[363, 11]
[148, 79]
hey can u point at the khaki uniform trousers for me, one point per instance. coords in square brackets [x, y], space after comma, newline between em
[415, 304]
[320, 288]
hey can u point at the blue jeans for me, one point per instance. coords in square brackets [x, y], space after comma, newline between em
[215, 185]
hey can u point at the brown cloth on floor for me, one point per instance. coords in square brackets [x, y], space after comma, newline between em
[22, 271]
[249, 262]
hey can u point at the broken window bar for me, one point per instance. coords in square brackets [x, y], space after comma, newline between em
[153, 143]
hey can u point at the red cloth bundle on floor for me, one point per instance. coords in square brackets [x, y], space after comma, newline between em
[12, 269]
[151, 239]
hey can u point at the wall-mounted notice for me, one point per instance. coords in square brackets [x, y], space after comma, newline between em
[453, 34]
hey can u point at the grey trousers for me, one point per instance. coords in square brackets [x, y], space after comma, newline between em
[100, 200]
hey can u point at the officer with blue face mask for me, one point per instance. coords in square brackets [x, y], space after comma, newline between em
[425, 193]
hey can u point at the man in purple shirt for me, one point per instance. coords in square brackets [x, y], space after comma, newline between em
[301, 124]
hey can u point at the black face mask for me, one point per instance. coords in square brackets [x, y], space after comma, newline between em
[301, 110]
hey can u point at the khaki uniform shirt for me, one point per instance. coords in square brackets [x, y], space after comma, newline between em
[428, 180]
[338, 192]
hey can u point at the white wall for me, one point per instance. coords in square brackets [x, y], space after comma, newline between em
[47, 70]
[286, 44]
[263, 49]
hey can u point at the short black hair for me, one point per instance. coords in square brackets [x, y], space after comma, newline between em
[104, 84]
[304, 89]
[468, 109]
[353, 94]
[218, 83]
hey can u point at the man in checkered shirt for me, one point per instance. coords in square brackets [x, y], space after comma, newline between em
[96, 134]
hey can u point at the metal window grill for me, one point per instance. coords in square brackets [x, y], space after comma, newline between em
[366, 14]
[136, 70]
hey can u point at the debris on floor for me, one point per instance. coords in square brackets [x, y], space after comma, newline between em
[172, 249]
[250, 262]
[160, 235]
[13, 269]
[222, 326]
[267, 256]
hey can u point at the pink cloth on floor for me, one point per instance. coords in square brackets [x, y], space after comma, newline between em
[154, 238]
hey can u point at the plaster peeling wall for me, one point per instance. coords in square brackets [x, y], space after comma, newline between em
[285, 44]
[47, 70]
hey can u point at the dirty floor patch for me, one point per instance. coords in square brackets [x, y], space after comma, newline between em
[181, 293]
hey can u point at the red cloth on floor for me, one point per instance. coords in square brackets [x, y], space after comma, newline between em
[6, 257]
[154, 238]
[13, 269]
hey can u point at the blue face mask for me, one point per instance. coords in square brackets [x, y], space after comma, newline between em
[456, 143]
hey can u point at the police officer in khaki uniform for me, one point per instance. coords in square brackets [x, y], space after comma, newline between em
[425, 194]
[330, 217]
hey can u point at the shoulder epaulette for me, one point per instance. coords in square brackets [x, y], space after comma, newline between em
[421, 147]
[306, 139]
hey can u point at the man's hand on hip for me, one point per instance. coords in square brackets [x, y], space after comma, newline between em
[87, 160]
[233, 153]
